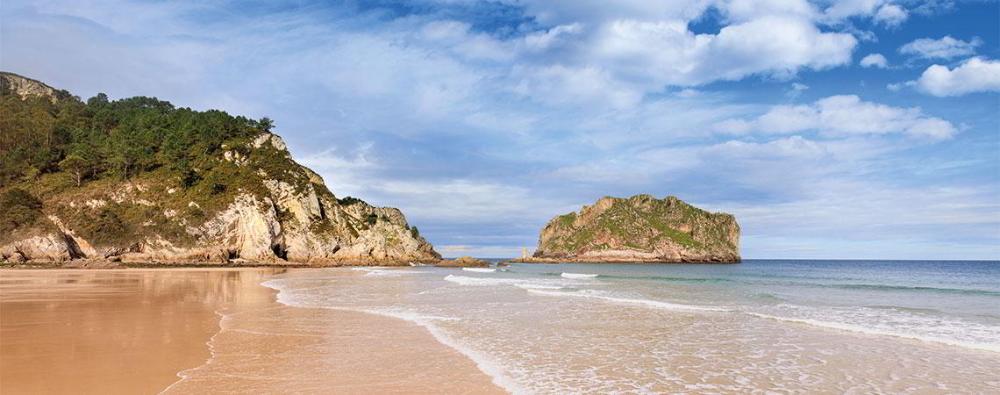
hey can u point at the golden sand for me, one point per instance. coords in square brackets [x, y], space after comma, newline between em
[133, 331]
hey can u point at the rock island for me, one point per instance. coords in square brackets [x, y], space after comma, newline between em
[641, 228]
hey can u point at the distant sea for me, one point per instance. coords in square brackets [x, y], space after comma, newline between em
[762, 325]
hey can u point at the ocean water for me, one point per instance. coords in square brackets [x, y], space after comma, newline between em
[760, 326]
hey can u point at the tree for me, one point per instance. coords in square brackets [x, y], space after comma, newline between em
[99, 100]
[265, 124]
[75, 165]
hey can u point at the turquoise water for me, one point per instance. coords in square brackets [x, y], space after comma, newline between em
[763, 325]
[954, 302]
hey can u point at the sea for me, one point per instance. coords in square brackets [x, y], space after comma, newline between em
[761, 326]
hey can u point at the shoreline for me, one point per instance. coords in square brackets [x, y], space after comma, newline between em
[482, 363]
[240, 330]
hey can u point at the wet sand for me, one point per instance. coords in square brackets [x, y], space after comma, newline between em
[205, 331]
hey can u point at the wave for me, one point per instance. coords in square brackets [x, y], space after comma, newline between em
[807, 282]
[577, 275]
[384, 271]
[642, 302]
[672, 279]
[520, 283]
[880, 287]
[391, 273]
[882, 332]
[529, 286]
[479, 269]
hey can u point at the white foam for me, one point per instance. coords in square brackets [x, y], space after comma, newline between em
[391, 273]
[186, 374]
[479, 269]
[881, 332]
[578, 275]
[408, 315]
[656, 304]
[384, 271]
[529, 286]
[492, 281]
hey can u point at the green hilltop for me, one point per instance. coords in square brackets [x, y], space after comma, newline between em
[643, 229]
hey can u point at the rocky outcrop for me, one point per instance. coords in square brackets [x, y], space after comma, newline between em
[295, 220]
[24, 87]
[264, 209]
[49, 248]
[639, 229]
[465, 261]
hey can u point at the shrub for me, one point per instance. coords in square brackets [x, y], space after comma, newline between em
[105, 227]
[19, 209]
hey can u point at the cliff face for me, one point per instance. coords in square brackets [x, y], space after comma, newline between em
[24, 87]
[247, 201]
[640, 229]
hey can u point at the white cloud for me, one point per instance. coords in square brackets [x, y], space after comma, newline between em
[847, 8]
[945, 47]
[559, 35]
[881, 11]
[898, 86]
[558, 85]
[464, 43]
[469, 201]
[874, 60]
[747, 10]
[615, 63]
[796, 90]
[843, 116]
[973, 75]
[687, 93]
[891, 15]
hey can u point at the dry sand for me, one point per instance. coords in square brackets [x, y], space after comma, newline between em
[142, 331]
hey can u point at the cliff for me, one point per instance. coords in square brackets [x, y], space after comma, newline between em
[640, 229]
[137, 180]
[24, 87]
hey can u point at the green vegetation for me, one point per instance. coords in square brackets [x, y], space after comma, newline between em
[113, 139]
[66, 151]
[567, 219]
[19, 209]
[639, 223]
[77, 166]
[347, 201]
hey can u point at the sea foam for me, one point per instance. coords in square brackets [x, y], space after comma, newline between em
[656, 304]
[379, 271]
[578, 275]
[520, 283]
[479, 269]
[994, 347]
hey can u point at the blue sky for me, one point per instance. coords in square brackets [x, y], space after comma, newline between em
[850, 129]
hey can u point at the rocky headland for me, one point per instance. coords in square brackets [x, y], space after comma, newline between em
[139, 181]
[640, 229]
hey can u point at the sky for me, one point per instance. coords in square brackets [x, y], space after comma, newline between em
[857, 129]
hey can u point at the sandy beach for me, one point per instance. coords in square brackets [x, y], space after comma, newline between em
[779, 326]
[205, 331]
